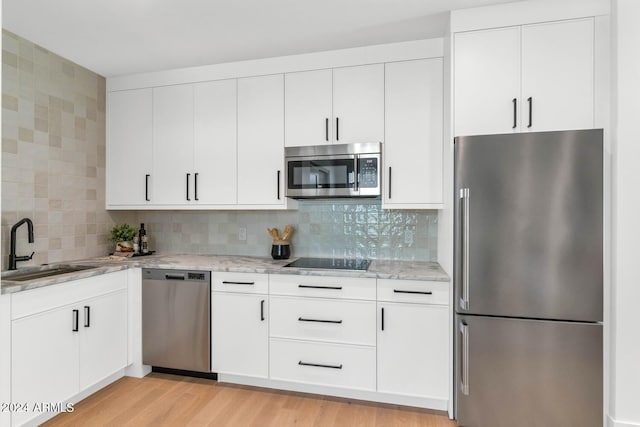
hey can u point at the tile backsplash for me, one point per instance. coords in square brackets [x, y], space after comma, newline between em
[53, 154]
[349, 228]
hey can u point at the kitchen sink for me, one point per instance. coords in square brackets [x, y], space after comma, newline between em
[42, 272]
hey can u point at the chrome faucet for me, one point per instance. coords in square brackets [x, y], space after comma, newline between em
[13, 259]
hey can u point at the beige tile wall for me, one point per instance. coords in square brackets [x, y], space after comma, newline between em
[53, 154]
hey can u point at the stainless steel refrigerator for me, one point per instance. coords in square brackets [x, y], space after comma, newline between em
[528, 279]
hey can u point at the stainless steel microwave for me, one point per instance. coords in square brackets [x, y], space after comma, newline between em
[335, 170]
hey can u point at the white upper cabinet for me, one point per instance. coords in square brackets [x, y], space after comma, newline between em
[261, 140]
[308, 108]
[413, 134]
[339, 106]
[129, 147]
[172, 144]
[487, 81]
[358, 104]
[215, 161]
[558, 75]
[535, 77]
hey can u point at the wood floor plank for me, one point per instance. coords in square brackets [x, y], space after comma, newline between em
[174, 401]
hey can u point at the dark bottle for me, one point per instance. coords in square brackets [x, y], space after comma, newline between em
[141, 234]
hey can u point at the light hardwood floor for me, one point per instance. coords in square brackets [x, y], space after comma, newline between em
[168, 400]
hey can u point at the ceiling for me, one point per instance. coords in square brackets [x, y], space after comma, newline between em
[116, 37]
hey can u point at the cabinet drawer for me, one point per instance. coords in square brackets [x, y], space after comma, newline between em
[323, 286]
[344, 321]
[334, 365]
[254, 283]
[413, 291]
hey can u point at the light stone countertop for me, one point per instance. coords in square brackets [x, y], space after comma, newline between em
[381, 269]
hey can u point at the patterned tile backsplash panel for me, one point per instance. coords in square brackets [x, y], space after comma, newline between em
[349, 228]
[53, 155]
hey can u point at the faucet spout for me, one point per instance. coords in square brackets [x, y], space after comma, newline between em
[13, 258]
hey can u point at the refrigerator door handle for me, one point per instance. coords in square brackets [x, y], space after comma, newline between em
[464, 377]
[464, 295]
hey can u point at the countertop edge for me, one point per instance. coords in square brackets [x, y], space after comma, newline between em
[379, 269]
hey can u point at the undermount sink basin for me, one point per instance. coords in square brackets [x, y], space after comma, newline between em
[47, 271]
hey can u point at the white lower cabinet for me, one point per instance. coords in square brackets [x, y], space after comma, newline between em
[102, 347]
[240, 327]
[45, 360]
[66, 338]
[379, 339]
[413, 340]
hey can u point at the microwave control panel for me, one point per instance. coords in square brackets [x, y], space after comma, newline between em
[368, 172]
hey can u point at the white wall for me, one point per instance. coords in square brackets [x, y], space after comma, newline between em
[624, 409]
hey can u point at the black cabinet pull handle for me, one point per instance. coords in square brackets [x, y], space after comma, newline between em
[74, 320]
[195, 186]
[146, 187]
[400, 291]
[389, 181]
[337, 129]
[174, 276]
[224, 282]
[278, 184]
[188, 199]
[326, 129]
[262, 311]
[382, 319]
[302, 319]
[515, 113]
[530, 101]
[87, 316]
[337, 288]
[319, 365]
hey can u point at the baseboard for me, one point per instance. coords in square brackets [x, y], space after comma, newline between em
[614, 423]
[372, 396]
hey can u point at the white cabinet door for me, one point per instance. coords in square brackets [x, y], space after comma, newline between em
[413, 350]
[261, 140]
[240, 334]
[215, 159]
[413, 124]
[487, 81]
[308, 115]
[172, 144]
[558, 75]
[358, 104]
[103, 337]
[44, 364]
[129, 147]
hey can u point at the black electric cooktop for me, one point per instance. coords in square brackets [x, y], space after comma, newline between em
[331, 263]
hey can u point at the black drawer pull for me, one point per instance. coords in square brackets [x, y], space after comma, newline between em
[87, 316]
[74, 320]
[400, 291]
[302, 319]
[238, 283]
[337, 288]
[174, 277]
[262, 311]
[318, 365]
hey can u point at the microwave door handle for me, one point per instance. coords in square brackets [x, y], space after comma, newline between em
[356, 172]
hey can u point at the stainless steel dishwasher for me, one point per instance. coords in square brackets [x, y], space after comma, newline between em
[176, 319]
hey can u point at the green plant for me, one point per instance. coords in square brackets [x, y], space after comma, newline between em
[123, 233]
